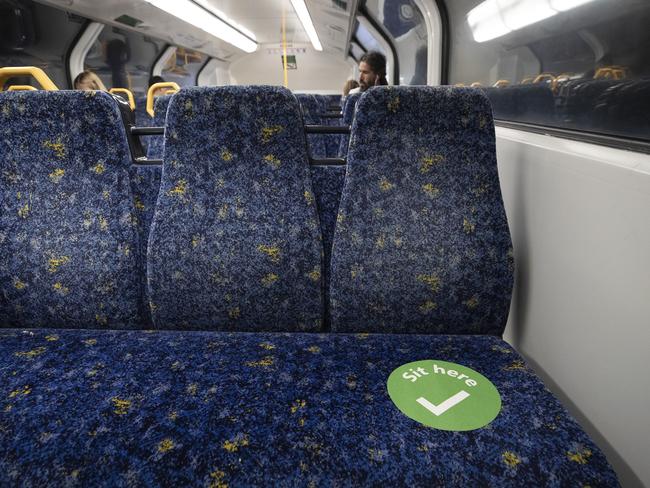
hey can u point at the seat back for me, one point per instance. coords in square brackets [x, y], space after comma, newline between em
[157, 143]
[142, 118]
[421, 242]
[68, 240]
[332, 141]
[328, 184]
[348, 117]
[235, 240]
[311, 111]
[145, 183]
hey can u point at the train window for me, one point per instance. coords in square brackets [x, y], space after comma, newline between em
[37, 35]
[183, 66]
[123, 58]
[582, 65]
[405, 24]
[367, 40]
[357, 51]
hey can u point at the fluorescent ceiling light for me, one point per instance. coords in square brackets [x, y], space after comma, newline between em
[495, 18]
[517, 13]
[192, 13]
[303, 14]
[563, 5]
[486, 22]
[208, 6]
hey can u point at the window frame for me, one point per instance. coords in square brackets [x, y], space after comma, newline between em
[382, 35]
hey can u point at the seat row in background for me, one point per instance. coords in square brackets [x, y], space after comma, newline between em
[613, 106]
[327, 180]
[421, 268]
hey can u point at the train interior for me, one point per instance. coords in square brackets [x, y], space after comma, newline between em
[220, 268]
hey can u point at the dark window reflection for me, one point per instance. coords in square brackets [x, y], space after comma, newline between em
[586, 69]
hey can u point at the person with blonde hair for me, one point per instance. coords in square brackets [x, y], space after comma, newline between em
[349, 85]
[87, 80]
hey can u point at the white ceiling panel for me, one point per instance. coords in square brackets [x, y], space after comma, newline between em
[262, 18]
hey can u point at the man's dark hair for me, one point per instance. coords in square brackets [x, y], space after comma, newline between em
[377, 63]
[156, 79]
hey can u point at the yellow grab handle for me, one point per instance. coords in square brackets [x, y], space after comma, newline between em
[614, 72]
[501, 83]
[21, 88]
[167, 84]
[37, 73]
[544, 77]
[604, 73]
[476, 84]
[128, 94]
[527, 81]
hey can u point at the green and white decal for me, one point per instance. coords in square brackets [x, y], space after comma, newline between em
[444, 395]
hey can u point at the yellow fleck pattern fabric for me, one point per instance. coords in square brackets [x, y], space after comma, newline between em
[66, 214]
[421, 243]
[235, 239]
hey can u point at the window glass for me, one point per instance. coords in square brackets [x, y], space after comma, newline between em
[368, 41]
[408, 31]
[123, 59]
[37, 35]
[183, 66]
[357, 52]
[579, 64]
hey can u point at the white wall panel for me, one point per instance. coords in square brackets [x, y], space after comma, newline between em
[316, 70]
[580, 221]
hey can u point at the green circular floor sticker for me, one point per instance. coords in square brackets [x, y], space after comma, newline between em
[444, 395]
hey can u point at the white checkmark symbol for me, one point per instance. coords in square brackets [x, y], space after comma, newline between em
[438, 410]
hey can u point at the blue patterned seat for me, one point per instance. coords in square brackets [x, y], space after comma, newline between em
[311, 111]
[328, 184]
[421, 242]
[235, 241]
[142, 118]
[157, 143]
[348, 116]
[332, 100]
[129, 408]
[68, 238]
[145, 184]
[332, 141]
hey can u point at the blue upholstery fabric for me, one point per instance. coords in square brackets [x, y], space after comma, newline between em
[311, 111]
[348, 117]
[332, 100]
[68, 237]
[145, 183]
[421, 242]
[142, 119]
[235, 241]
[157, 143]
[332, 141]
[103, 408]
[328, 184]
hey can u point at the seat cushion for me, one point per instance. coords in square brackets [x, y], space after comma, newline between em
[105, 408]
